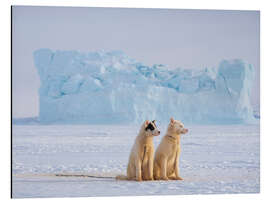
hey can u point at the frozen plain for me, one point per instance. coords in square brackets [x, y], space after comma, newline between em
[215, 160]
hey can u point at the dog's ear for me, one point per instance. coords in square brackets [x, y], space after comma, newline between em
[146, 123]
[172, 120]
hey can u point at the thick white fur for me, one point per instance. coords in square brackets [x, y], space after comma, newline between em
[166, 161]
[141, 159]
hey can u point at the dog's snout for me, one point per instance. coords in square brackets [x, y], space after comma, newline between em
[158, 132]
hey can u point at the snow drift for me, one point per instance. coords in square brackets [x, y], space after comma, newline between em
[110, 87]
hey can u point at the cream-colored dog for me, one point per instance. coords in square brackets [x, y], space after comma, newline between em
[141, 159]
[166, 162]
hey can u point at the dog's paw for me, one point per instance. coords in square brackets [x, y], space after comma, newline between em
[139, 179]
[164, 178]
[178, 178]
[175, 178]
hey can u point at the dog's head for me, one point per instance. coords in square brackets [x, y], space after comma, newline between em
[150, 128]
[177, 127]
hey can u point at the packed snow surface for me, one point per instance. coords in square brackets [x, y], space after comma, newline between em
[110, 87]
[214, 160]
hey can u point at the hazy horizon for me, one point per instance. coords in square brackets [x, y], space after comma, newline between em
[174, 37]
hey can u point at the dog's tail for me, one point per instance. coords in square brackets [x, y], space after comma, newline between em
[121, 177]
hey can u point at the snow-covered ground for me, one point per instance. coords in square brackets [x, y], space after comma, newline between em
[214, 160]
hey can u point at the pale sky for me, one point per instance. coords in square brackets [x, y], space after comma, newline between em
[177, 38]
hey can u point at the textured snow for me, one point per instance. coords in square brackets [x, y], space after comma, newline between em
[214, 160]
[110, 87]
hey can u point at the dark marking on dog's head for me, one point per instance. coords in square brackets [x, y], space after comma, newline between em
[150, 126]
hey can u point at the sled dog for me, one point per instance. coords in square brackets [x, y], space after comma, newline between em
[141, 158]
[166, 161]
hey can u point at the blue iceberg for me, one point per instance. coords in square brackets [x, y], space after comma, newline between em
[110, 87]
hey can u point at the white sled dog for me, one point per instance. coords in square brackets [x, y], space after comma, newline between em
[141, 158]
[167, 155]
